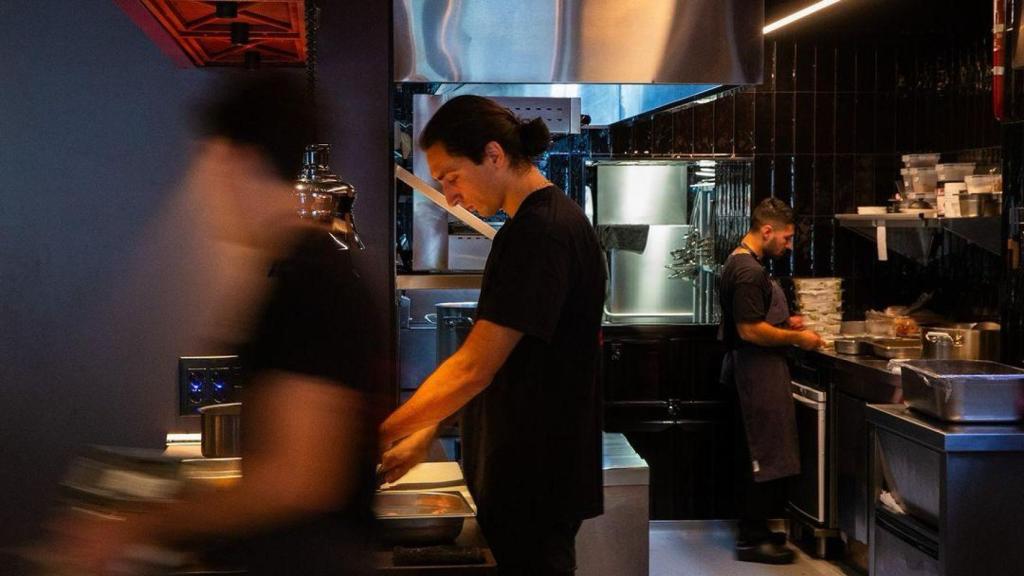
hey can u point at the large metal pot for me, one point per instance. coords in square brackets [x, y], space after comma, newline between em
[966, 341]
[222, 430]
[454, 321]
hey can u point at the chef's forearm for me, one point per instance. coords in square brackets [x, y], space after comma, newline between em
[764, 334]
[448, 389]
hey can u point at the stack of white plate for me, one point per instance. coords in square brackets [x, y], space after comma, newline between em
[820, 302]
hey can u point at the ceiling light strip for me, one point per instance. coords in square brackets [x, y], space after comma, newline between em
[802, 13]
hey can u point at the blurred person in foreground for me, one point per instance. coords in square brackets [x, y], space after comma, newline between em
[525, 378]
[757, 328]
[291, 304]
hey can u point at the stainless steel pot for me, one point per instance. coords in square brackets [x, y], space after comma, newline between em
[454, 321]
[222, 430]
[965, 341]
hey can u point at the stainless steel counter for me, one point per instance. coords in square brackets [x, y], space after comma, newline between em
[947, 436]
[864, 377]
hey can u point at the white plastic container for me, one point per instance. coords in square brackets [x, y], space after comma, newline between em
[925, 180]
[952, 172]
[929, 159]
[984, 183]
[951, 198]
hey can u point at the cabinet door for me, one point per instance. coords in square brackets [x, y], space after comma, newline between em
[695, 368]
[634, 369]
[852, 466]
[691, 470]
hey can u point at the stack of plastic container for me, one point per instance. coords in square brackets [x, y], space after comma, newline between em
[820, 302]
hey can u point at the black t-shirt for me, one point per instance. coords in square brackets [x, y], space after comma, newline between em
[532, 439]
[317, 322]
[745, 295]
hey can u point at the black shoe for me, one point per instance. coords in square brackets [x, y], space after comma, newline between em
[765, 552]
[754, 538]
[778, 538]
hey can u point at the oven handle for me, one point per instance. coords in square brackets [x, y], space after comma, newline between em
[819, 406]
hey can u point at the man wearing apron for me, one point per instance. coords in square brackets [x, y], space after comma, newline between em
[756, 329]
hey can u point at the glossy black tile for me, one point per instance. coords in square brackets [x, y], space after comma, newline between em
[846, 126]
[804, 74]
[662, 137]
[682, 131]
[764, 177]
[803, 185]
[745, 124]
[823, 185]
[803, 129]
[846, 198]
[704, 129]
[864, 105]
[824, 122]
[725, 115]
[785, 61]
[643, 136]
[784, 178]
[865, 56]
[864, 180]
[784, 122]
[846, 69]
[764, 123]
[825, 69]
[885, 123]
[885, 75]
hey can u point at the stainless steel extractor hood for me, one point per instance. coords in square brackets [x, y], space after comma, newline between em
[579, 41]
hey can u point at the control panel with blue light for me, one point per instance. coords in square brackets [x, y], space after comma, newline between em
[206, 380]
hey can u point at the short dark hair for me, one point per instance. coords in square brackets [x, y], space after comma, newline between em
[466, 124]
[771, 211]
[269, 110]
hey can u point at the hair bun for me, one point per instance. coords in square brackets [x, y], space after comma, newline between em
[534, 136]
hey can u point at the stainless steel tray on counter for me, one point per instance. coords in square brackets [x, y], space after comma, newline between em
[420, 517]
[896, 347]
[963, 390]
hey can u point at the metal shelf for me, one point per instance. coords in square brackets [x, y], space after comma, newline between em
[439, 281]
[915, 233]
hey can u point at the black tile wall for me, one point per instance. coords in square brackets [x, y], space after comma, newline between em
[826, 130]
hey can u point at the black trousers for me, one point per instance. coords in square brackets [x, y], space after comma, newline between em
[529, 545]
[757, 501]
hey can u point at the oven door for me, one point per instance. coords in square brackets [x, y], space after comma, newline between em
[807, 491]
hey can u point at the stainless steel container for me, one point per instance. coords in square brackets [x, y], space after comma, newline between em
[222, 430]
[898, 348]
[962, 390]
[420, 517]
[971, 341]
[454, 321]
[852, 346]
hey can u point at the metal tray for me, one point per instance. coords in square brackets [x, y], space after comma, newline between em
[420, 517]
[896, 348]
[852, 346]
[963, 390]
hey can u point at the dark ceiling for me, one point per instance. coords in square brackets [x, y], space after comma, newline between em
[879, 20]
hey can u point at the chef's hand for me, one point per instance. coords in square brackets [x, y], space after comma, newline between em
[796, 323]
[401, 456]
[809, 340]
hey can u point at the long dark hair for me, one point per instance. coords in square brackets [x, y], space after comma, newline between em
[465, 124]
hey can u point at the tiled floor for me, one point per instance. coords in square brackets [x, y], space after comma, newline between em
[706, 549]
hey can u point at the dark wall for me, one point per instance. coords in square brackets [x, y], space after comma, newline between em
[1012, 289]
[95, 263]
[826, 130]
[94, 145]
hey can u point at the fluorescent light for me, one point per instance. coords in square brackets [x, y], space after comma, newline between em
[802, 13]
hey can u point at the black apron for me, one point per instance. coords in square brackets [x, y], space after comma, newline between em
[762, 381]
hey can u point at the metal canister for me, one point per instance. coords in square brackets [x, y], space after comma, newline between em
[222, 430]
[454, 321]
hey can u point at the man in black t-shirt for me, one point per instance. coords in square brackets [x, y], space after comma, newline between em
[527, 371]
[756, 328]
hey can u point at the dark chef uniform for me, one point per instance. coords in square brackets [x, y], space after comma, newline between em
[532, 439]
[759, 379]
[317, 322]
